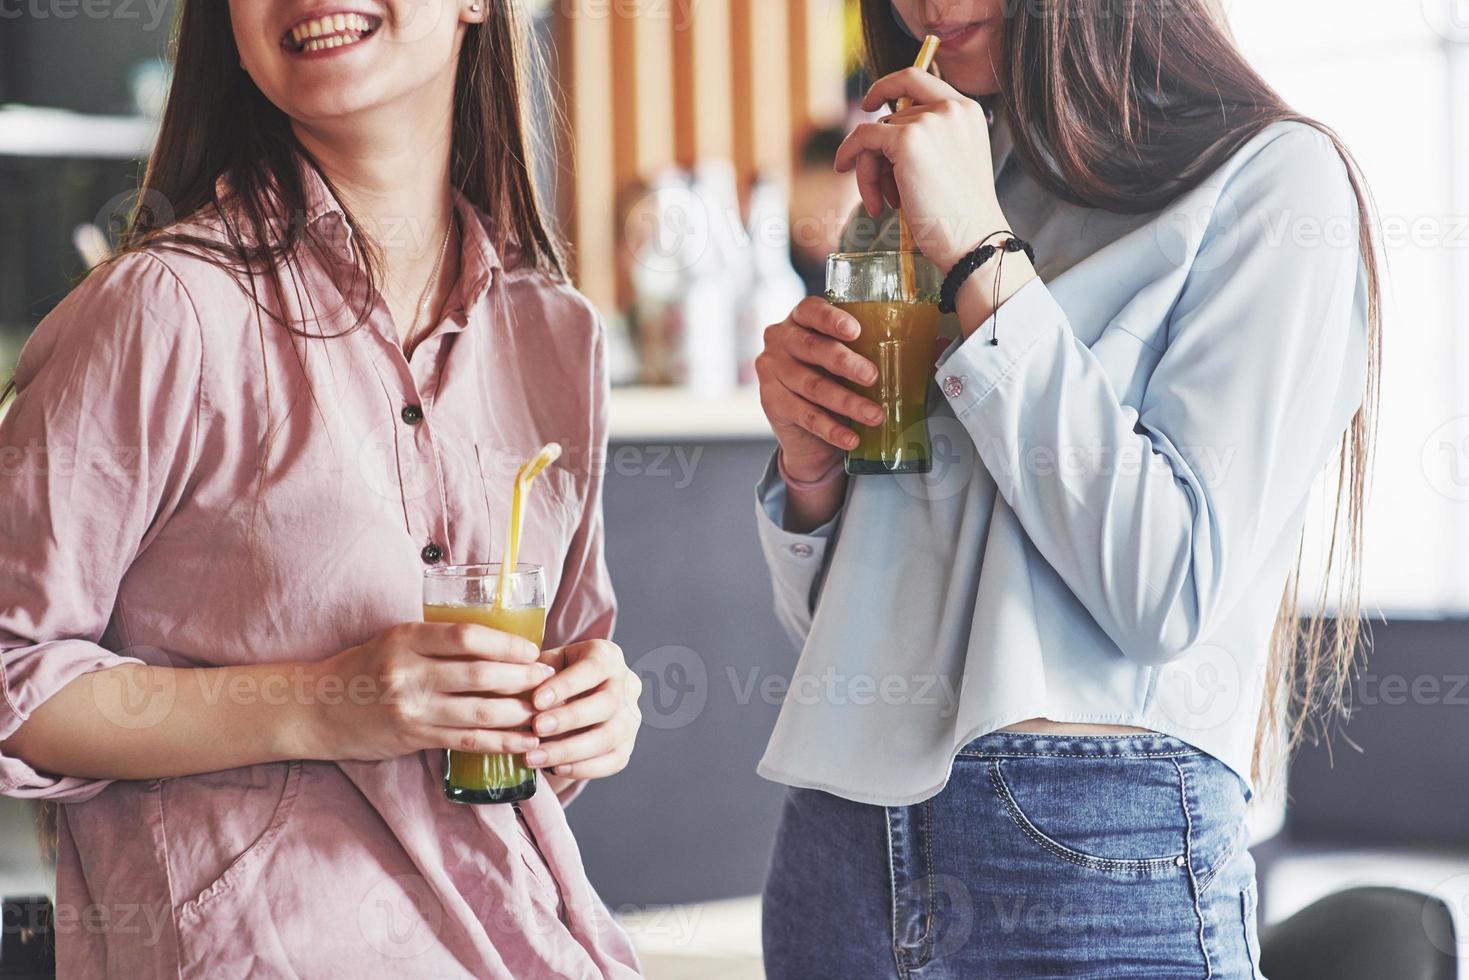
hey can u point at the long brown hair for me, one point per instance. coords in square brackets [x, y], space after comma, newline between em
[1083, 87]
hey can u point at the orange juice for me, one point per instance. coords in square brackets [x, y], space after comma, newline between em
[476, 777]
[899, 338]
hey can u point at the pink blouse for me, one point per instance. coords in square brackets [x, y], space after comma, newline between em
[187, 483]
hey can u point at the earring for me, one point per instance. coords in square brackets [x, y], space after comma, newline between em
[474, 8]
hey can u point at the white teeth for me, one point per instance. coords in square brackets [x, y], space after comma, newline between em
[330, 31]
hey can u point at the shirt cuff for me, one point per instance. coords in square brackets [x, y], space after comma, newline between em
[771, 495]
[31, 676]
[972, 366]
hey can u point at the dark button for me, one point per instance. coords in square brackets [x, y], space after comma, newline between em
[431, 554]
[412, 414]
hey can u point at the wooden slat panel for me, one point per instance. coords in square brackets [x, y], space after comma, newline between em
[642, 88]
[816, 41]
[702, 89]
[584, 66]
[762, 120]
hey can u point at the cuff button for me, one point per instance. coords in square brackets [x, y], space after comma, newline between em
[801, 549]
[953, 386]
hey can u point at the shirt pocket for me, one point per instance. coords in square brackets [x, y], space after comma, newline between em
[220, 826]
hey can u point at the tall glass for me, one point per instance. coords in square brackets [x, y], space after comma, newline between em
[899, 328]
[466, 594]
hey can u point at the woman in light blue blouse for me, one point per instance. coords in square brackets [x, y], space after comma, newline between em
[1039, 684]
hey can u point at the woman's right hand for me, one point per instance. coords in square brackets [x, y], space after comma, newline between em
[805, 356]
[420, 686]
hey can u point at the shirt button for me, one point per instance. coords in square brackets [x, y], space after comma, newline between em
[431, 554]
[801, 549]
[412, 414]
[953, 386]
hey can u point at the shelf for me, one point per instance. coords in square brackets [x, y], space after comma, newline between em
[30, 131]
[641, 414]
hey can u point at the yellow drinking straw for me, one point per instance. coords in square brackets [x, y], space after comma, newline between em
[528, 471]
[924, 62]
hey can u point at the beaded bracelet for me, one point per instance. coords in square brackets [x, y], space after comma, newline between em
[965, 267]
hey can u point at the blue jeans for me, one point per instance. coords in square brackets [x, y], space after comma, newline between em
[1073, 856]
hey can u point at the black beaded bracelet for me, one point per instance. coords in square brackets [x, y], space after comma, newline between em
[964, 268]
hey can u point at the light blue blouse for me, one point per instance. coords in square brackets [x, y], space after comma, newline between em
[1118, 493]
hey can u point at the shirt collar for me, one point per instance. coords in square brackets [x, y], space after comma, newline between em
[325, 217]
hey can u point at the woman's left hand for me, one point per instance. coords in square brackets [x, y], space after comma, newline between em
[587, 713]
[932, 160]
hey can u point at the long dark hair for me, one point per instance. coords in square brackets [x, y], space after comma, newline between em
[1125, 106]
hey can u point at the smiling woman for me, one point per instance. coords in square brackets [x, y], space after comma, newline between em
[302, 380]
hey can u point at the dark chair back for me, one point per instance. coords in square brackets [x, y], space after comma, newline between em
[1363, 934]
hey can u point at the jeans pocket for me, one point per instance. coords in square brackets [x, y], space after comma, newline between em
[1113, 815]
[1248, 902]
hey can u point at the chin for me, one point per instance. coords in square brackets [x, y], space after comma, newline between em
[973, 80]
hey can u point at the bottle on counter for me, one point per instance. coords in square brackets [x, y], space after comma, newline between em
[775, 286]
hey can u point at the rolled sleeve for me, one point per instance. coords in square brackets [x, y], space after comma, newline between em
[95, 455]
[796, 560]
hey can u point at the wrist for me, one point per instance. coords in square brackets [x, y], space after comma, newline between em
[300, 729]
[980, 295]
[797, 478]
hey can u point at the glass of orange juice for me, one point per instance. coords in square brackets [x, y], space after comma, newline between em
[894, 298]
[472, 594]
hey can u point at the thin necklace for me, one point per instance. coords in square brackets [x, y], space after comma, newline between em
[428, 290]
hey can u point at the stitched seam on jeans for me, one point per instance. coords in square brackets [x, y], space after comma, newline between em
[1246, 912]
[1234, 846]
[898, 954]
[1177, 754]
[1188, 855]
[927, 941]
[1119, 865]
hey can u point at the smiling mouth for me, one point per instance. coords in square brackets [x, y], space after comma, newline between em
[329, 31]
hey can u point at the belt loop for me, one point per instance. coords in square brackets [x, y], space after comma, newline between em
[910, 869]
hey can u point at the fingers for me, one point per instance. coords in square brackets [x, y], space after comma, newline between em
[480, 713]
[467, 640]
[810, 347]
[482, 740]
[486, 676]
[815, 313]
[874, 138]
[588, 665]
[783, 403]
[578, 713]
[917, 85]
[616, 736]
[609, 764]
[869, 172]
[821, 390]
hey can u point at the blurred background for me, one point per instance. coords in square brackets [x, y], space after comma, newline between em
[692, 176]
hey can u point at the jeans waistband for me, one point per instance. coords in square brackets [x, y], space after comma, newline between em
[1131, 745]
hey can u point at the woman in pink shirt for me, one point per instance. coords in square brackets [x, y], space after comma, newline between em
[338, 323]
